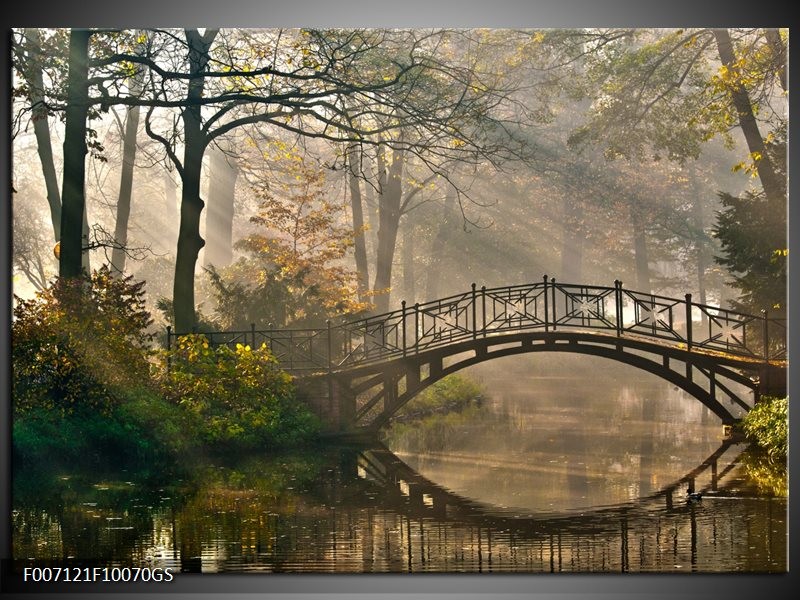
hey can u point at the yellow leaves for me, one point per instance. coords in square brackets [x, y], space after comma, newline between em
[751, 168]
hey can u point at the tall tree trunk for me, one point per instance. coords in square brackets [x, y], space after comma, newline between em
[774, 188]
[641, 259]
[701, 252]
[41, 125]
[372, 220]
[360, 241]
[118, 254]
[189, 240]
[73, 199]
[219, 217]
[434, 271]
[572, 240]
[389, 214]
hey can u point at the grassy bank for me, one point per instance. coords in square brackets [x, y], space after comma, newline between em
[766, 427]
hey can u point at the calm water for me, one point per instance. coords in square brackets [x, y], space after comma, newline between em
[554, 474]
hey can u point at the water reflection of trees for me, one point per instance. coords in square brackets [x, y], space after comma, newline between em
[356, 509]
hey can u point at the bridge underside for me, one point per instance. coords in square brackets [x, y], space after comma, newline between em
[362, 400]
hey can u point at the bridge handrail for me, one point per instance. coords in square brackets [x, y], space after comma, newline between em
[483, 312]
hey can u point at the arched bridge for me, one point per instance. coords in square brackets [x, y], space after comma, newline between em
[358, 374]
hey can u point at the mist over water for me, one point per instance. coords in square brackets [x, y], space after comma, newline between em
[571, 433]
[555, 472]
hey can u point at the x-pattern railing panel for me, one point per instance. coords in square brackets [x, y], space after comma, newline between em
[585, 306]
[515, 308]
[727, 331]
[368, 340]
[654, 316]
[228, 338]
[442, 322]
[776, 336]
[299, 349]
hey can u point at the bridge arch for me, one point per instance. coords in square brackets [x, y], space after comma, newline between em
[357, 374]
[376, 394]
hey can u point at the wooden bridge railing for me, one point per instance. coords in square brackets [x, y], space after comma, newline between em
[549, 306]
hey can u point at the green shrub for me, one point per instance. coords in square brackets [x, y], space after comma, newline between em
[82, 377]
[437, 415]
[453, 393]
[236, 397]
[79, 344]
[767, 426]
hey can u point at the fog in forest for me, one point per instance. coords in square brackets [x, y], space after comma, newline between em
[346, 171]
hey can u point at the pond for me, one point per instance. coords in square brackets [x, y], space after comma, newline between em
[553, 473]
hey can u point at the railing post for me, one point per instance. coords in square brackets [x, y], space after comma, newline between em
[618, 305]
[253, 336]
[766, 334]
[553, 292]
[546, 307]
[169, 348]
[689, 322]
[403, 305]
[483, 308]
[474, 313]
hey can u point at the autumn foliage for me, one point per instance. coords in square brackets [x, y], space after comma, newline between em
[293, 273]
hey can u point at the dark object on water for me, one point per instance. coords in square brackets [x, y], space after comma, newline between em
[692, 496]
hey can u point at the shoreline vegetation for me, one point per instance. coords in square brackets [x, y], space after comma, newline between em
[766, 427]
[89, 384]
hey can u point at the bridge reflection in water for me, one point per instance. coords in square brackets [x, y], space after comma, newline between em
[409, 492]
[383, 516]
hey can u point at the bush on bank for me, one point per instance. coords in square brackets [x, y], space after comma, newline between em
[767, 426]
[236, 397]
[454, 393]
[88, 385]
[81, 373]
[438, 413]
